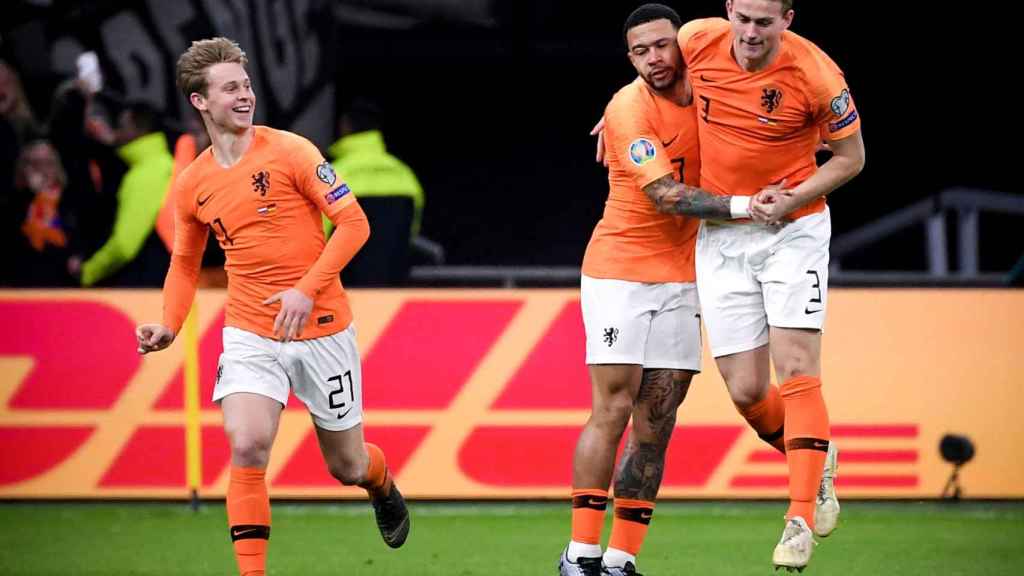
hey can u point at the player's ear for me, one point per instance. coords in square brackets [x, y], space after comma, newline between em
[787, 19]
[198, 100]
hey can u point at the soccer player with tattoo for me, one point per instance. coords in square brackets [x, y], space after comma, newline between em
[640, 308]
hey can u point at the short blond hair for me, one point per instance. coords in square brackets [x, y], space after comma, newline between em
[202, 54]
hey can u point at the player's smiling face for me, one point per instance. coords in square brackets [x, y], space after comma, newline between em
[758, 26]
[230, 100]
[654, 52]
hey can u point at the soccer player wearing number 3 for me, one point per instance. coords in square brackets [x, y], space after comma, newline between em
[288, 321]
[765, 96]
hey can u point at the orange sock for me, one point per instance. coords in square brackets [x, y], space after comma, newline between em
[767, 418]
[588, 508]
[249, 519]
[629, 527]
[807, 436]
[377, 477]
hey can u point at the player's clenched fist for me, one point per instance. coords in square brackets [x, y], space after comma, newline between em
[153, 337]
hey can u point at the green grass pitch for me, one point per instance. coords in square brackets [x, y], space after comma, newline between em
[495, 539]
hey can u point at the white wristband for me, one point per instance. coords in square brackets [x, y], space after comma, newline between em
[739, 206]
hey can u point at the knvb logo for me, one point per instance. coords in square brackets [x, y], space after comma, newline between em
[771, 99]
[610, 336]
[261, 182]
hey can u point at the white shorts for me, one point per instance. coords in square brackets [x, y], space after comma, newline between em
[323, 372]
[752, 276]
[653, 325]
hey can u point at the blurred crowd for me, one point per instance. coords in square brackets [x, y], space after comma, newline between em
[83, 190]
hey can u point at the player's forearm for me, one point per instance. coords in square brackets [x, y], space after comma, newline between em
[675, 198]
[180, 289]
[352, 229]
[837, 171]
[846, 162]
[186, 259]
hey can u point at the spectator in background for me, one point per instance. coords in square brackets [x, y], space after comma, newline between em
[17, 126]
[14, 107]
[40, 249]
[190, 144]
[81, 128]
[134, 250]
[388, 192]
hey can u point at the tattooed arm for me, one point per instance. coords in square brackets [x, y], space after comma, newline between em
[671, 197]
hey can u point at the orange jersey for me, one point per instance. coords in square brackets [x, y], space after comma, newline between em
[758, 128]
[646, 137]
[266, 213]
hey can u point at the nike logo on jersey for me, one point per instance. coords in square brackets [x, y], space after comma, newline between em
[669, 143]
[345, 413]
[809, 311]
[203, 200]
[704, 78]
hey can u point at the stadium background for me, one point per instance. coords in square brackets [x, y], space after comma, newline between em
[477, 88]
[490, 102]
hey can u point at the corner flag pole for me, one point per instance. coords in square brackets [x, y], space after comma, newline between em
[193, 441]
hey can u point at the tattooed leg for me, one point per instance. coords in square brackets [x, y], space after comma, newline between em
[654, 417]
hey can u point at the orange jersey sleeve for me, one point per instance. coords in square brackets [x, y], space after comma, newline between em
[759, 128]
[633, 144]
[266, 214]
[317, 181]
[647, 137]
[186, 258]
[184, 153]
[832, 105]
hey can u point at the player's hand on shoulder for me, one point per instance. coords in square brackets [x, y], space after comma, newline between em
[295, 310]
[598, 130]
[153, 337]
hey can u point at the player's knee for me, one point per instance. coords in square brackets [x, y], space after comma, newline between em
[653, 428]
[746, 391]
[349, 473]
[348, 466]
[797, 364]
[250, 450]
[613, 414]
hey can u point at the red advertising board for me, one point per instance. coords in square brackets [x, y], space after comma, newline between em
[482, 393]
